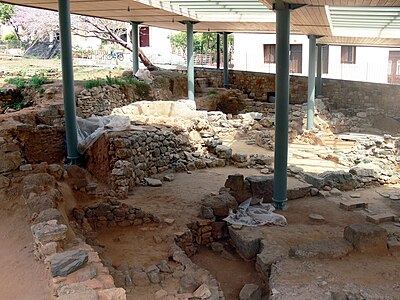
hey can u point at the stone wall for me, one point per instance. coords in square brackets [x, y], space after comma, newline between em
[355, 97]
[76, 269]
[100, 101]
[343, 94]
[257, 86]
[136, 154]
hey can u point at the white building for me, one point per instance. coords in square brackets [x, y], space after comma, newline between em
[256, 52]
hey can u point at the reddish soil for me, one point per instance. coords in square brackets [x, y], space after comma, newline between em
[21, 277]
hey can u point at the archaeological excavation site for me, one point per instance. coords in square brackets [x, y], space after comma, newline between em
[175, 199]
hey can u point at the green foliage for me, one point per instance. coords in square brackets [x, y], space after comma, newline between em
[6, 12]
[142, 89]
[178, 41]
[212, 92]
[19, 82]
[205, 42]
[35, 81]
[91, 83]
[10, 37]
[115, 80]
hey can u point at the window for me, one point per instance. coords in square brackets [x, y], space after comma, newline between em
[296, 58]
[325, 59]
[269, 54]
[389, 69]
[144, 36]
[348, 55]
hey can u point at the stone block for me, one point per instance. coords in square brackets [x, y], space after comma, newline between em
[66, 262]
[77, 291]
[327, 248]
[260, 185]
[49, 231]
[153, 182]
[270, 253]
[112, 294]
[366, 237]
[246, 242]
[250, 292]
[220, 204]
[50, 214]
[381, 218]
[240, 189]
[313, 179]
[352, 205]
[4, 181]
[223, 152]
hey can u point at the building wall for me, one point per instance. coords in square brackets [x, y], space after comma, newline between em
[249, 51]
[371, 62]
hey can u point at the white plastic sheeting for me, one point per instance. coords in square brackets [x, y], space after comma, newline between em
[255, 215]
[90, 129]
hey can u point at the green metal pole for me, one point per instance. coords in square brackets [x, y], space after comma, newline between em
[311, 82]
[135, 46]
[226, 74]
[281, 104]
[218, 51]
[318, 89]
[68, 80]
[190, 60]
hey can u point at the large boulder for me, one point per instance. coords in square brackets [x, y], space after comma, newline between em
[220, 204]
[341, 180]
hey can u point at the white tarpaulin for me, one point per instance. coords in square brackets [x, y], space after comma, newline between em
[90, 129]
[255, 215]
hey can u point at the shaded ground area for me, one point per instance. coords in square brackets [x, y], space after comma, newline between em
[21, 277]
[230, 270]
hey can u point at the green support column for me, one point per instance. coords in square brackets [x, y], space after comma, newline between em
[318, 86]
[311, 82]
[281, 104]
[190, 60]
[226, 74]
[218, 51]
[135, 46]
[68, 80]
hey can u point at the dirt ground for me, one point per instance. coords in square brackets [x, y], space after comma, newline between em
[21, 277]
[181, 198]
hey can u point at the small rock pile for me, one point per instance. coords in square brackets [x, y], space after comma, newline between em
[111, 213]
[179, 273]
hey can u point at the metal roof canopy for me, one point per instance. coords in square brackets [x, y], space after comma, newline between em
[357, 23]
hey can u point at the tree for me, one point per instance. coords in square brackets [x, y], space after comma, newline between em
[31, 24]
[108, 31]
[38, 24]
[205, 42]
[6, 12]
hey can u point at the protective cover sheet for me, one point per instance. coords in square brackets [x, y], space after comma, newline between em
[90, 129]
[255, 215]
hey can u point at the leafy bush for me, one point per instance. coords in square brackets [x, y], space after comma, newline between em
[19, 82]
[91, 83]
[115, 80]
[212, 92]
[35, 81]
[10, 37]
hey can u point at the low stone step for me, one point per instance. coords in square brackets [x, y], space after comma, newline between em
[352, 205]
[381, 218]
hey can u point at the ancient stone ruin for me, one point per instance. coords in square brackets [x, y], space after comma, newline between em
[174, 198]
